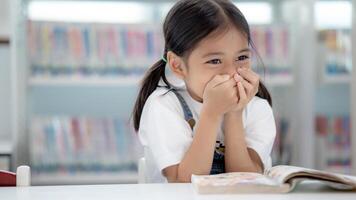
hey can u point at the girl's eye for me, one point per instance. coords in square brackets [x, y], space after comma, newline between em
[214, 61]
[241, 58]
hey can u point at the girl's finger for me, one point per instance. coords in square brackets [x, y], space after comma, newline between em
[229, 84]
[242, 92]
[249, 75]
[217, 80]
[249, 88]
[237, 77]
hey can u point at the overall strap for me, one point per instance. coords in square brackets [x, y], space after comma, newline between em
[188, 115]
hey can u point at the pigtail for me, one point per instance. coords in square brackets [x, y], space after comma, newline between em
[264, 94]
[148, 85]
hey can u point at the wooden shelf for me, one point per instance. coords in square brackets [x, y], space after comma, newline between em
[278, 80]
[85, 81]
[84, 178]
[337, 79]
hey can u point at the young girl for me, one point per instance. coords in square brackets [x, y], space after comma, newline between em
[221, 120]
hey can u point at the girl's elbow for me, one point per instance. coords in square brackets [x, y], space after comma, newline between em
[178, 180]
[174, 174]
[186, 178]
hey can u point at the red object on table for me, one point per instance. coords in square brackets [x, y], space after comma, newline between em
[7, 178]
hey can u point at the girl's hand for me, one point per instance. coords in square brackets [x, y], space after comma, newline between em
[220, 95]
[247, 86]
[250, 81]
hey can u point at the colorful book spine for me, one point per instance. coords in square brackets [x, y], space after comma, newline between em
[82, 144]
[100, 49]
[58, 48]
[273, 45]
[333, 143]
[336, 48]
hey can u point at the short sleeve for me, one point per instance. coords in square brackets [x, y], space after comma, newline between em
[163, 130]
[260, 130]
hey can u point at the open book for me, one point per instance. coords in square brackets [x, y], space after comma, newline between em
[278, 179]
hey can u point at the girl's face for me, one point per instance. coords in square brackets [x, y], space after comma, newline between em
[217, 54]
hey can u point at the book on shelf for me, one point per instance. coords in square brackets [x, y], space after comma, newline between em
[58, 48]
[278, 179]
[333, 146]
[336, 51]
[82, 144]
[273, 46]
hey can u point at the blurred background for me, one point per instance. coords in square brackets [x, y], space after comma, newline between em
[70, 71]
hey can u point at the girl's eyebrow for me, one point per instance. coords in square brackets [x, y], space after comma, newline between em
[245, 50]
[221, 53]
[213, 54]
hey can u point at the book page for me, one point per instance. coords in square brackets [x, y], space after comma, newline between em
[236, 183]
[283, 174]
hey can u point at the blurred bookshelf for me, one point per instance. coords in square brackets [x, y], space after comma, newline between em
[335, 55]
[64, 49]
[82, 70]
[107, 52]
[83, 147]
[333, 143]
[333, 90]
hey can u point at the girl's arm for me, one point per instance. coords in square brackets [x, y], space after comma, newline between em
[238, 157]
[199, 157]
[218, 98]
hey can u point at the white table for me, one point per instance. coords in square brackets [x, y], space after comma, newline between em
[157, 192]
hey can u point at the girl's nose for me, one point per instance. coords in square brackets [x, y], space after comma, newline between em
[232, 70]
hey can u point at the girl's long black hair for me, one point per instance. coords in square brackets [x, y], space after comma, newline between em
[187, 23]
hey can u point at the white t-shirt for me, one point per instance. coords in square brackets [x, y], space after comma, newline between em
[166, 136]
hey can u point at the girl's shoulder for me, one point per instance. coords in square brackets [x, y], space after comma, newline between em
[165, 99]
[258, 106]
[258, 101]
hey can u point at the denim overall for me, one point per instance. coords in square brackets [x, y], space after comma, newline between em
[218, 165]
